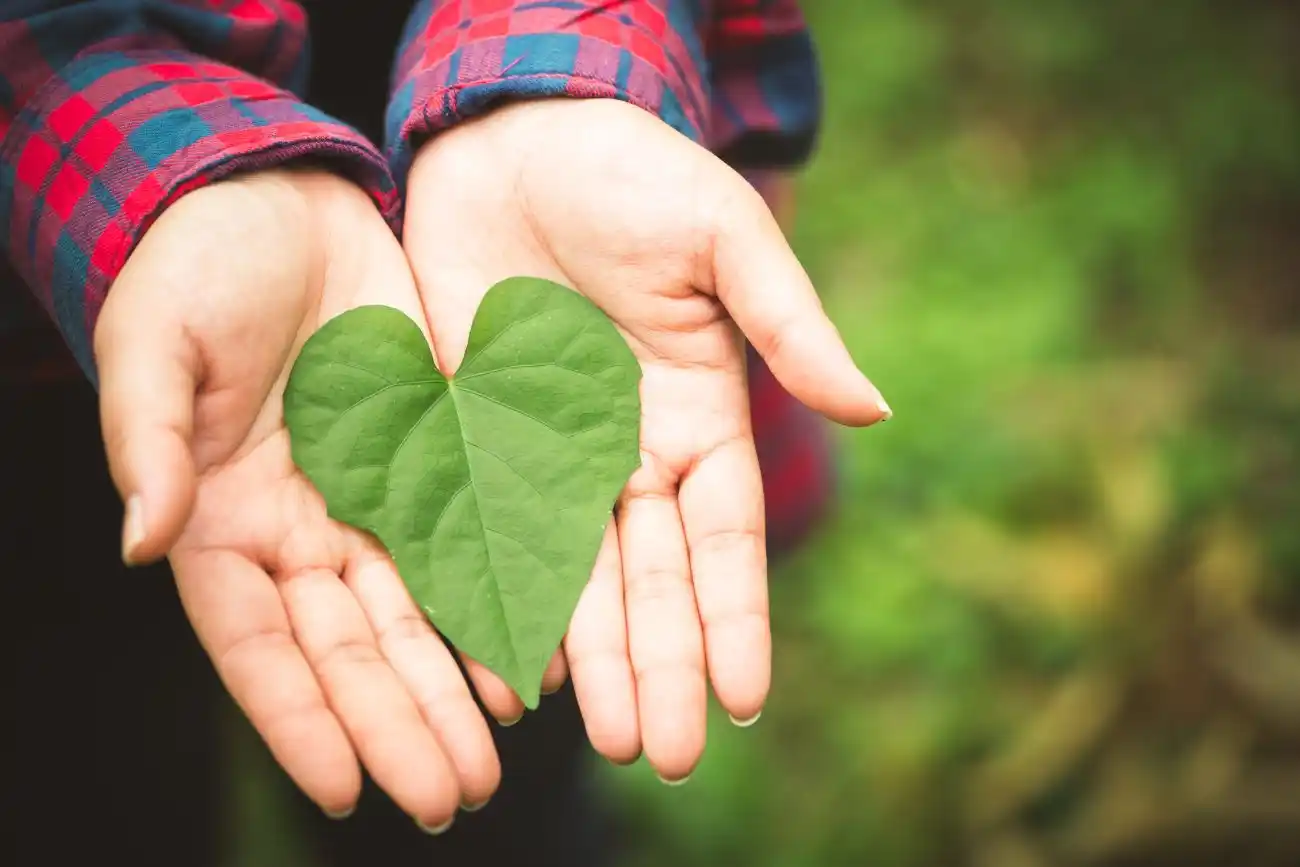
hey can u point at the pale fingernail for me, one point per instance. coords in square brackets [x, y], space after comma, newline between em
[885, 412]
[340, 815]
[679, 782]
[473, 808]
[132, 529]
[745, 723]
[507, 723]
[435, 830]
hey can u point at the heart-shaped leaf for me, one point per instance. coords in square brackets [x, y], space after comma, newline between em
[492, 489]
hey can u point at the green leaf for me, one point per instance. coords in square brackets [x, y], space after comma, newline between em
[491, 490]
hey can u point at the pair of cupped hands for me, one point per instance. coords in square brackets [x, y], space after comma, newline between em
[307, 621]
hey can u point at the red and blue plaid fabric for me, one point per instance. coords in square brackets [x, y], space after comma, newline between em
[737, 75]
[765, 105]
[110, 111]
[460, 57]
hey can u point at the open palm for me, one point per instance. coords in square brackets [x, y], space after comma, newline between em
[308, 623]
[678, 250]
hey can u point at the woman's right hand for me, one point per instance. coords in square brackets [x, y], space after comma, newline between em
[306, 620]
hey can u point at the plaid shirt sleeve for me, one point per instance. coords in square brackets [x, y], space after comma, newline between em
[110, 111]
[767, 104]
[460, 57]
[737, 75]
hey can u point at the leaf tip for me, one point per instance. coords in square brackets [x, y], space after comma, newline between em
[532, 697]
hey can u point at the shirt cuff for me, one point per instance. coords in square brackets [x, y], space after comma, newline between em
[113, 138]
[459, 58]
[766, 105]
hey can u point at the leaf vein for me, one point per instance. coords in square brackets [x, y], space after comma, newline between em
[539, 421]
[506, 464]
[447, 506]
[374, 394]
[338, 362]
[527, 550]
[388, 482]
[496, 370]
[483, 531]
[502, 333]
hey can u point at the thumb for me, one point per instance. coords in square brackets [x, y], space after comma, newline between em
[148, 373]
[766, 291]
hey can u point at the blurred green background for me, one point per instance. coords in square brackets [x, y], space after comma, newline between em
[1057, 618]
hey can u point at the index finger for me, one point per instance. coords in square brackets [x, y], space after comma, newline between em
[721, 500]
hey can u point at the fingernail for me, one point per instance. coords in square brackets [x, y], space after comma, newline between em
[674, 783]
[340, 815]
[885, 412]
[473, 808]
[551, 690]
[507, 723]
[745, 723]
[132, 529]
[435, 831]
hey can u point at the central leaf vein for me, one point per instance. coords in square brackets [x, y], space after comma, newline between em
[483, 528]
[406, 438]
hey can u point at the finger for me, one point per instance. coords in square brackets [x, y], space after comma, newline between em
[500, 700]
[761, 283]
[382, 721]
[596, 647]
[721, 500]
[557, 671]
[239, 618]
[148, 372]
[429, 673]
[663, 626]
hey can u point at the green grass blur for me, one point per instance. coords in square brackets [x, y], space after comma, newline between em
[1055, 621]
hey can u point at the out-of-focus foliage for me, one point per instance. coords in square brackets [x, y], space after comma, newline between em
[1057, 620]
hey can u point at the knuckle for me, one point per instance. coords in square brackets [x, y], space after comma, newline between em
[656, 585]
[346, 653]
[252, 643]
[405, 629]
[727, 540]
[668, 667]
